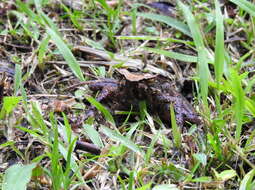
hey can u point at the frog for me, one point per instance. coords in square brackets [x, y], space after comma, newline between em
[158, 93]
[162, 94]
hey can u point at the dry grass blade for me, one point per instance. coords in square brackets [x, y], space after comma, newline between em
[119, 59]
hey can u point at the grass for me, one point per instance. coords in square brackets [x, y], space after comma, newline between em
[41, 122]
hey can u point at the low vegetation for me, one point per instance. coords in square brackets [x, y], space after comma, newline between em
[79, 110]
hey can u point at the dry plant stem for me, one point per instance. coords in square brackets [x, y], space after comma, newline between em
[50, 96]
[86, 63]
[127, 62]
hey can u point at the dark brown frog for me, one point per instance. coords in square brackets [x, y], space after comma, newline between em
[157, 92]
[160, 94]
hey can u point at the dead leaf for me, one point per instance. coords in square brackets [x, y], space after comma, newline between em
[135, 77]
[63, 105]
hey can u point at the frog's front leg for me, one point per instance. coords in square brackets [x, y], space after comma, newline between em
[107, 92]
[107, 88]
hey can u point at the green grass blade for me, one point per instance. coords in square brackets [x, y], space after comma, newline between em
[219, 48]
[249, 86]
[55, 156]
[38, 5]
[123, 140]
[93, 135]
[66, 53]
[38, 118]
[250, 106]
[134, 21]
[176, 129]
[17, 177]
[213, 141]
[239, 101]
[105, 5]
[145, 187]
[166, 187]
[150, 149]
[48, 22]
[203, 179]
[73, 165]
[246, 182]
[201, 158]
[174, 55]
[225, 175]
[201, 50]
[131, 180]
[68, 168]
[72, 17]
[101, 108]
[23, 7]
[9, 103]
[156, 38]
[132, 130]
[35, 134]
[193, 26]
[245, 5]
[68, 137]
[42, 50]
[180, 26]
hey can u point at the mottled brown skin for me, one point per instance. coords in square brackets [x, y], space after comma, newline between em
[107, 87]
[161, 94]
[158, 93]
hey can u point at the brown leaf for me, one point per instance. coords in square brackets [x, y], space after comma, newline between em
[135, 77]
[63, 105]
